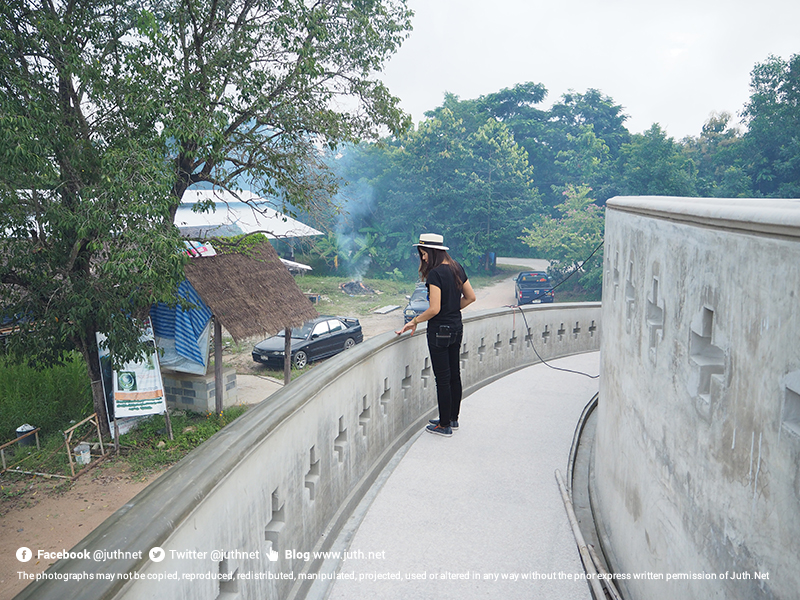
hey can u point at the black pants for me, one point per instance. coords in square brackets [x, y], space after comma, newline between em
[447, 372]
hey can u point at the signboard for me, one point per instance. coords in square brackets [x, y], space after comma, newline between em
[136, 388]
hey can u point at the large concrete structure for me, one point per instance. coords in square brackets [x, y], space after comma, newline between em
[696, 464]
[283, 480]
[697, 456]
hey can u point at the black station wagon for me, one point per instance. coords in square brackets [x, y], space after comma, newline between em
[316, 339]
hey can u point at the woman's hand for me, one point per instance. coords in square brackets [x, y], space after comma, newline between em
[434, 305]
[410, 326]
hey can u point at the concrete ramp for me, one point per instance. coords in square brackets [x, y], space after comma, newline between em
[479, 515]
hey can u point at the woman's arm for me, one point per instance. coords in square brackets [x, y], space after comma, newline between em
[467, 295]
[435, 299]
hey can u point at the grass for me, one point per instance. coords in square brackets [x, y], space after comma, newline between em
[51, 458]
[146, 449]
[334, 301]
[264, 370]
[572, 291]
[149, 449]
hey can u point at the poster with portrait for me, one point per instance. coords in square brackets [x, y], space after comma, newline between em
[136, 389]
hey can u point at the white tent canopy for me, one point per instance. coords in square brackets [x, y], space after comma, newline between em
[236, 213]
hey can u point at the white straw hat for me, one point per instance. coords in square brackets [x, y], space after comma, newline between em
[431, 240]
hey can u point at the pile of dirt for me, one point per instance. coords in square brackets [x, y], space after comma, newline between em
[355, 288]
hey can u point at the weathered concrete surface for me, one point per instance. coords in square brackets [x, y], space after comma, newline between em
[287, 476]
[483, 503]
[698, 441]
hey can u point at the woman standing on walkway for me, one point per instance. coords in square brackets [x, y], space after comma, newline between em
[449, 292]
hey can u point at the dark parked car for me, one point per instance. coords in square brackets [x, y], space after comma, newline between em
[417, 303]
[316, 339]
[533, 287]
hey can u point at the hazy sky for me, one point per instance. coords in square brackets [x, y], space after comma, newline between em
[671, 62]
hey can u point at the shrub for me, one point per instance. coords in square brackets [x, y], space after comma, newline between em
[47, 398]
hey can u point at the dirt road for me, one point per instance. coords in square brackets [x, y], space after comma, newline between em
[44, 520]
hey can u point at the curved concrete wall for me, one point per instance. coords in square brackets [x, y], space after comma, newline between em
[697, 455]
[287, 475]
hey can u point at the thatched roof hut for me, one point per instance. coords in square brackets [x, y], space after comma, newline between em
[250, 291]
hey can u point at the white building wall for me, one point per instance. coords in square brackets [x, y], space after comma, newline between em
[697, 456]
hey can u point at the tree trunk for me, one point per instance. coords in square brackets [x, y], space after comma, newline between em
[287, 355]
[91, 355]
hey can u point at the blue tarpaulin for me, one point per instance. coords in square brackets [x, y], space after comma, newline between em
[186, 327]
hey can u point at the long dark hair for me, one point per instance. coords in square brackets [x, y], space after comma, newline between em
[437, 257]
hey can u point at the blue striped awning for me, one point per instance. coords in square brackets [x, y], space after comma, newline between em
[184, 326]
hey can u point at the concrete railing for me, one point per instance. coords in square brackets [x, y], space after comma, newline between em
[285, 477]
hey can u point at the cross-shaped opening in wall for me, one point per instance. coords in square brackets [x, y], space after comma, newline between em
[277, 520]
[630, 298]
[340, 443]
[707, 358]
[426, 372]
[405, 383]
[386, 396]
[464, 355]
[365, 415]
[312, 477]
[655, 317]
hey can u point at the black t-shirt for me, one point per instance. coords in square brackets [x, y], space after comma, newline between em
[450, 309]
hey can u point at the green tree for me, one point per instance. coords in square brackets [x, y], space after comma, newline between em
[567, 241]
[111, 109]
[88, 241]
[585, 159]
[717, 154]
[772, 139]
[653, 164]
[498, 190]
[595, 109]
[471, 183]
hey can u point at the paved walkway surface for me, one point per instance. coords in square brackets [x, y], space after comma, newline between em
[480, 515]
[252, 389]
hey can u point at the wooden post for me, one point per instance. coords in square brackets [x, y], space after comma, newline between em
[67, 440]
[218, 381]
[287, 354]
[169, 423]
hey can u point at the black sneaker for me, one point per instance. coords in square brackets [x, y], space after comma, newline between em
[445, 431]
[453, 424]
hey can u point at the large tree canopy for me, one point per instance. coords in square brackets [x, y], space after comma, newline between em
[110, 109]
[458, 174]
[249, 90]
[772, 139]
